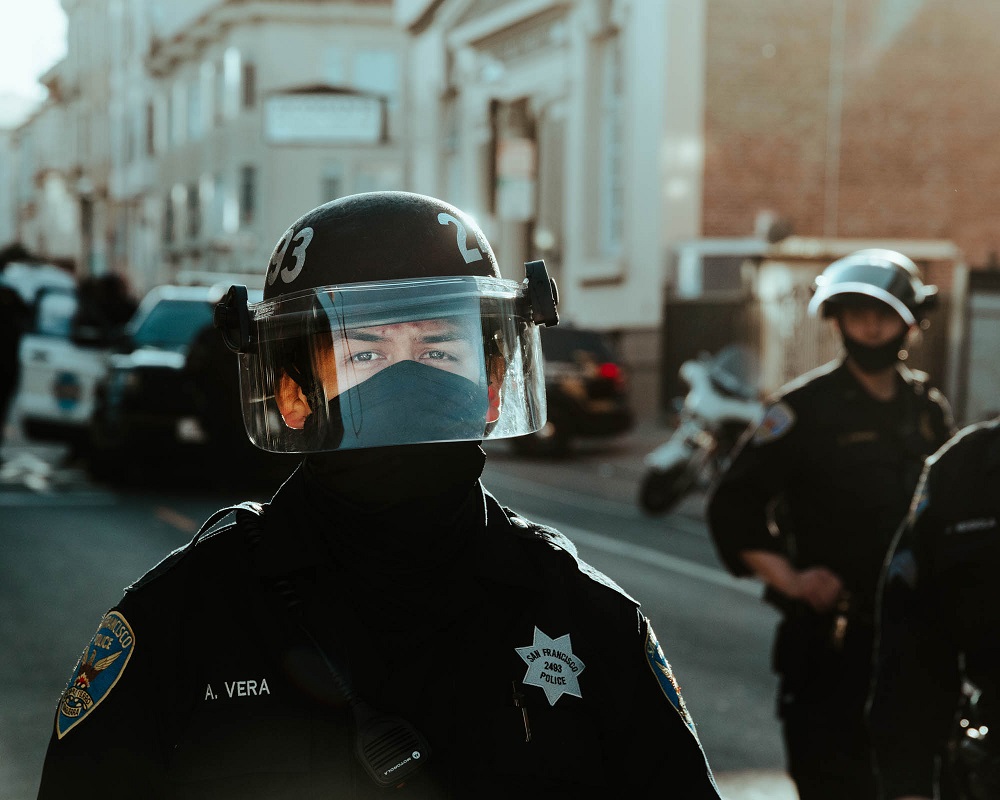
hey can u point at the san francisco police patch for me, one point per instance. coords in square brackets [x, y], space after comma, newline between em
[665, 676]
[552, 666]
[777, 421]
[98, 670]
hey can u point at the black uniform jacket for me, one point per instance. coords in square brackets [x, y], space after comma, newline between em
[218, 689]
[827, 476]
[940, 601]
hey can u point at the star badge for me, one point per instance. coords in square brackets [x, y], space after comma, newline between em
[552, 666]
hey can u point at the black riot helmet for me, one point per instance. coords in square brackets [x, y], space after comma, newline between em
[385, 321]
[875, 273]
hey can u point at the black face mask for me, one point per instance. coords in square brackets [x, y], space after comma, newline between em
[406, 403]
[874, 359]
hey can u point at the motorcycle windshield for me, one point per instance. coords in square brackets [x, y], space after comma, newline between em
[735, 370]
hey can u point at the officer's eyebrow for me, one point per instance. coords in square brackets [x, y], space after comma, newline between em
[447, 332]
[430, 338]
[365, 336]
[452, 331]
[448, 336]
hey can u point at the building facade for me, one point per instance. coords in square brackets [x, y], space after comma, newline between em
[181, 138]
[572, 130]
[855, 118]
[260, 112]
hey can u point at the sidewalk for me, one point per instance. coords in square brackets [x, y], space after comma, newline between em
[756, 785]
[37, 466]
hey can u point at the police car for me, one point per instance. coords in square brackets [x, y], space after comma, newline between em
[145, 418]
[55, 399]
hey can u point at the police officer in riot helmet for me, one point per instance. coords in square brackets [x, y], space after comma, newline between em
[811, 499]
[383, 621]
[935, 710]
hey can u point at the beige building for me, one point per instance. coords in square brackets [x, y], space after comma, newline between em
[195, 131]
[573, 131]
[44, 174]
[261, 111]
[8, 209]
[181, 138]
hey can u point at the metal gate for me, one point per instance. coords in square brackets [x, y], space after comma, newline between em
[788, 341]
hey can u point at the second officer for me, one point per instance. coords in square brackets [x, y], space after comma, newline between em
[811, 500]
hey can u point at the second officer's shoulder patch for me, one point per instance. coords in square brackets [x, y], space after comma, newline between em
[778, 420]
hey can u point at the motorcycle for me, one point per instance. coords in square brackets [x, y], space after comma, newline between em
[723, 399]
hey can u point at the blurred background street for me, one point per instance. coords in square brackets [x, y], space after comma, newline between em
[685, 168]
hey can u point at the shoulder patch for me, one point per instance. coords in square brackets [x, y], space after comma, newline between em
[777, 421]
[664, 675]
[98, 670]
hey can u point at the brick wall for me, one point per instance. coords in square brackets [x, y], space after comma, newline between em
[920, 119]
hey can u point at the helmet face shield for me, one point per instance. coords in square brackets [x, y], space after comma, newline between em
[392, 362]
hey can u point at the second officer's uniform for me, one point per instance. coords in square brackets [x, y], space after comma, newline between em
[823, 481]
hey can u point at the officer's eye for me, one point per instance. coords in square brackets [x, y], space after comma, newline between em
[438, 355]
[364, 357]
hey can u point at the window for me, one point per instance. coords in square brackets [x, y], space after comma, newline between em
[193, 211]
[129, 132]
[216, 201]
[177, 106]
[377, 177]
[83, 136]
[229, 98]
[249, 84]
[333, 65]
[167, 129]
[377, 71]
[209, 98]
[150, 129]
[54, 314]
[219, 93]
[169, 220]
[248, 194]
[611, 190]
[194, 110]
[173, 226]
[332, 183]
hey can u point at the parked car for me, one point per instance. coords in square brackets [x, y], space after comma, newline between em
[59, 370]
[136, 424]
[169, 405]
[586, 389]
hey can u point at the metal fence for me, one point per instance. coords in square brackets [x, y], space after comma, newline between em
[788, 341]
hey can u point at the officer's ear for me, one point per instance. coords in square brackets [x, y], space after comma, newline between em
[496, 370]
[292, 402]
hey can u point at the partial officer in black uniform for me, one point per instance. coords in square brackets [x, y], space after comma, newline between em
[383, 621]
[935, 704]
[14, 321]
[810, 503]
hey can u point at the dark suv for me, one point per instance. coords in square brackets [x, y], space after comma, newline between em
[586, 391]
[158, 414]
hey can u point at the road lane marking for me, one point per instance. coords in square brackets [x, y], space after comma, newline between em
[176, 519]
[647, 555]
[756, 784]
